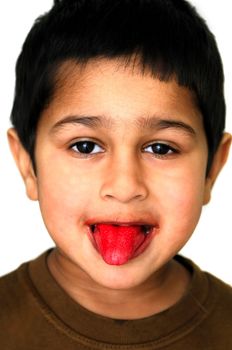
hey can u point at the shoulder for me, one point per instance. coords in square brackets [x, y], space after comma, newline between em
[12, 292]
[9, 286]
[218, 308]
[222, 287]
[212, 300]
[205, 283]
[213, 294]
[16, 303]
[221, 297]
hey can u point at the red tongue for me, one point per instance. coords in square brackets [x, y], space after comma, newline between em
[118, 244]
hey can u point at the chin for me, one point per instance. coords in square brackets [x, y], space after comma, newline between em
[123, 277]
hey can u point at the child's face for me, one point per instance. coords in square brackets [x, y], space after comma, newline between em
[123, 177]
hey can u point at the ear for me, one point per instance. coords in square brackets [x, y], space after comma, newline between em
[24, 164]
[219, 160]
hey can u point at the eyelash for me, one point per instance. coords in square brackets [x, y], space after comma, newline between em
[160, 146]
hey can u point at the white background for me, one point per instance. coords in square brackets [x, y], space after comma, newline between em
[22, 233]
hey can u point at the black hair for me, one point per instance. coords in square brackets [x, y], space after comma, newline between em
[169, 37]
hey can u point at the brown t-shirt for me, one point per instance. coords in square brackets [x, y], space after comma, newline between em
[35, 313]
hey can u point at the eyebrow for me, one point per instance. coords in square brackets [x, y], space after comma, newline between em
[144, 123]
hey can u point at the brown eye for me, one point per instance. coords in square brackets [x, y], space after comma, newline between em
[161, 149]
[86, 147]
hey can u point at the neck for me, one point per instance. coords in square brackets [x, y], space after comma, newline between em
[162, 290]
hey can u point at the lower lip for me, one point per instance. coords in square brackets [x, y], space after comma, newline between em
[146, 243]
[141, 249]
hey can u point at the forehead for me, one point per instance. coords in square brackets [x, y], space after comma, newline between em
[119, 91]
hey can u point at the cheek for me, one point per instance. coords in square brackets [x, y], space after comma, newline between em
[63, 198]
[181, 199]
[185, 203]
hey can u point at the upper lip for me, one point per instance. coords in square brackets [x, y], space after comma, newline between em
[118, 223]
[121, 223]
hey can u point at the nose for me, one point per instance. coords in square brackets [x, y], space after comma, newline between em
[124, 180]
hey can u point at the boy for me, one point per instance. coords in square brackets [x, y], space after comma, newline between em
[118, 133]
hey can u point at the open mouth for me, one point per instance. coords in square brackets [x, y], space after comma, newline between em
[146, 229]
[119, 243]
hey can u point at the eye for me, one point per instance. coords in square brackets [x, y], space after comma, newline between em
[160, 149]
[86, 147]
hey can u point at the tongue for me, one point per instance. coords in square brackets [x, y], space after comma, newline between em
[118, 244]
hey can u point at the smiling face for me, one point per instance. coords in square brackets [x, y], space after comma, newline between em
[118, 146]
